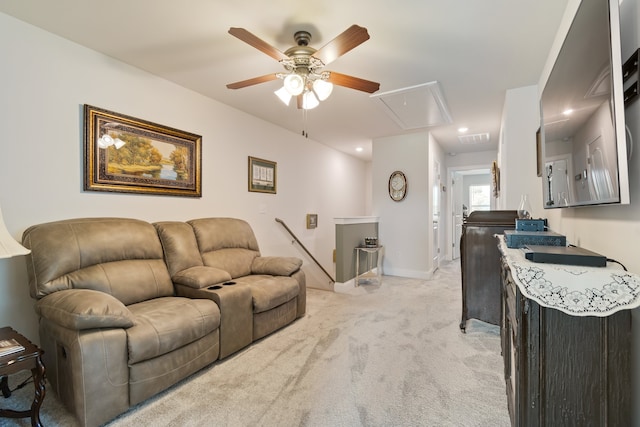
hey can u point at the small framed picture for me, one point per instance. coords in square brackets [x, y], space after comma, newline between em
[262, 175]
[312, 221]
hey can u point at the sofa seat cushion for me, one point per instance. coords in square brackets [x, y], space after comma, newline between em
[268, 292]
[165, 324]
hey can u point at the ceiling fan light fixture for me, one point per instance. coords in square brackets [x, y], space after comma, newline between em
[322, 89]
[294, 84]
[309, 100]
[284, 95]
[304, 78]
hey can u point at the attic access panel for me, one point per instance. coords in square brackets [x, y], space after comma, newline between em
[416, 107]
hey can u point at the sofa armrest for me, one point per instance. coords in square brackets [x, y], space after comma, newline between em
[200, 277]
[79, 309]
[275, 265]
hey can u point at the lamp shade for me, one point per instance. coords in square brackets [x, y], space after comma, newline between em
[294, 84]
[284, 95]
[322, 89]
[309, 100]
[8, 245]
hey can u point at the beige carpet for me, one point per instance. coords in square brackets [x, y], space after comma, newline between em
[377, 355]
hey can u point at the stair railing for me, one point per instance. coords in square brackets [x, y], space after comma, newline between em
[305, 249]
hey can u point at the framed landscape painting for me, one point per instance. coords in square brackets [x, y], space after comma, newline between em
[129, 155]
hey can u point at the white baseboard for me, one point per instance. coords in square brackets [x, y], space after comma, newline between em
[412, 274]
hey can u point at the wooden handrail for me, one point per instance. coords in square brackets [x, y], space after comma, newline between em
[305, 249]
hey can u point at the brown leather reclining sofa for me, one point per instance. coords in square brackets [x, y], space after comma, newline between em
[128, 308]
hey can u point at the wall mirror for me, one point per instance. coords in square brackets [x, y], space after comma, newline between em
[584, 159]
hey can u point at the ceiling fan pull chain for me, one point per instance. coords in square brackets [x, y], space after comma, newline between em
[304, 123]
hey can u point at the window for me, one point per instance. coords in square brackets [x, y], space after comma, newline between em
[479, 198]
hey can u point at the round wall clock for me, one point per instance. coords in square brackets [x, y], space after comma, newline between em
[397, 186]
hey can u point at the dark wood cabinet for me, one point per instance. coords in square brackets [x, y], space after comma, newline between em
[480, 264]
[563, 370]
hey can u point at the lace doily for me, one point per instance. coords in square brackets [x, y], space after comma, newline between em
[572, 289]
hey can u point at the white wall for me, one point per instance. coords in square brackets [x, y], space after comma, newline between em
[475, 160]
[369, 187]
[438, 208]
[517, 150]
[45, 82]
[404, 228]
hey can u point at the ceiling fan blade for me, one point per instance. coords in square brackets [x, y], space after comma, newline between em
[350, 38]
[258, 43]
[353, 82]
[253, 81]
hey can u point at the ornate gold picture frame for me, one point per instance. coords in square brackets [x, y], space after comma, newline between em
[128, 155]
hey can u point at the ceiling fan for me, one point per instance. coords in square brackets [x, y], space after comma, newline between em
[305, 78]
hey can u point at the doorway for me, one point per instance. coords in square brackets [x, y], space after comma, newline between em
[558, 190]
[461, 179]
[600, 183]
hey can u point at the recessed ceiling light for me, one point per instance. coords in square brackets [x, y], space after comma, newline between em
[359, 149]
[463, 129]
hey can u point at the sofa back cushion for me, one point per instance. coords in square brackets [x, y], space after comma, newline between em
[226, 243]
[119, 256]
[180, 246]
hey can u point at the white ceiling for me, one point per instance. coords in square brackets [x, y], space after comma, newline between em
[475, 49]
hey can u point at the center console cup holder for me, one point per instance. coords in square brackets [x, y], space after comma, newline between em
[214, 287]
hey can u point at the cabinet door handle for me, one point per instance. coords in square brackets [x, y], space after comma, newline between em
[526, 307]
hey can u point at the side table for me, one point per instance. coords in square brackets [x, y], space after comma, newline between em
[28, 359]
[369, 274]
